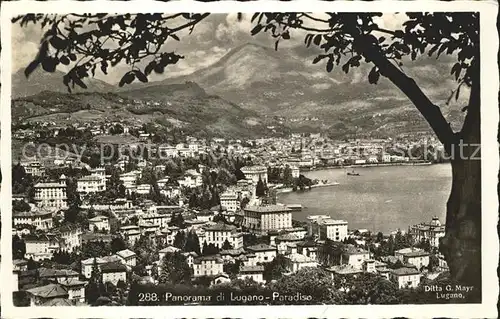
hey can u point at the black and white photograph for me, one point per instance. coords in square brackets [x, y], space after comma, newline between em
[248, 158]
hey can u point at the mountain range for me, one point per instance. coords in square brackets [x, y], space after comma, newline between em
[255, 87]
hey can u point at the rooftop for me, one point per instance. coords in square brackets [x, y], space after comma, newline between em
[405, 271]
[72, 282]
[252, 269]
[126, 253]
[261, 247]
[50, 272]
[113, 267]
[216, 258]
[220, 227]
[49, 291]
[344, 270]
[255, 168]
[299, 258]
[268, 209]
[412, 252]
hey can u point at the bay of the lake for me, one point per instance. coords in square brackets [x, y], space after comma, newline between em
[380, 199]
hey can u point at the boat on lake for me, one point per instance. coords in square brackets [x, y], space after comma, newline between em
[353, 173]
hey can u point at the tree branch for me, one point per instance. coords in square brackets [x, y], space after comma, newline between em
[366, 45]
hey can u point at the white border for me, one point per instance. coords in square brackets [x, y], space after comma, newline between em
[490, 164]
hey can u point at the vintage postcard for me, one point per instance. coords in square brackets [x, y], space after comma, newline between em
[285, 159]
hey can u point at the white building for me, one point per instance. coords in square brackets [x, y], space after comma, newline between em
[299, 261]
[255, 173]
[355, 256]
[91, 184]
[263, 253]
[39, 218]
[70, 237]
[325, 227]
[295, 171]
[114, 272]
[127, 257]
[99, 223]
[405, 277]
[52, 195]
[143, 189]
[33, 168]
[217, 234]
[256, 273]
[432, 232]
[229, 201]
[414, 256]
[40, 247]
[266, 218]
[207, 266]
[191, 179]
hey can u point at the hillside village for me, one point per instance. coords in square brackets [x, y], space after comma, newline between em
[108, 224]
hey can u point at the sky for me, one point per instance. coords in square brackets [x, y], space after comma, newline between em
[211, 39]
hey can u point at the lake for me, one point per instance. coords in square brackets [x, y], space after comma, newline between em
[380, 199]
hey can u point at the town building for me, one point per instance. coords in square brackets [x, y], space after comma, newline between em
[167, 250]
[40, 219]
[255, 173]
[114, 272]
[75, 289]
[298, 261]
[57, 275]
[266, 218]
[263, 253]
[43, 294]
[414, 256]
[159, 220]
[229, 201]
[405, 277]
[70, 237]
[255, 273]
[324, 227]
[355, 256]
[207, 266]
[191, 179]
[127, 257]
[218, 233]
[87, 265]
[99, 223]
[91, 184]
[432, 232]
[52, 194]
[40, 247]
[33, 168]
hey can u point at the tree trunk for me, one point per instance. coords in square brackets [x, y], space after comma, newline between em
[461, 245]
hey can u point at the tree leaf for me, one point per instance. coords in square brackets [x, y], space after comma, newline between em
[317, 39]
[141, 76]
[79, 82]
[174, 36]
[31, 67]
[329, 65]
[64, 60]
[373, 76]
[49, 64]
[286, 35]
[345, 67]
[256, 29]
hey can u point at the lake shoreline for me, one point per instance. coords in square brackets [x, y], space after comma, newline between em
[378, 199]
[371, 165]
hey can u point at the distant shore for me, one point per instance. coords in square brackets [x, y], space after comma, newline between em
[290, 189]
[370, 165]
